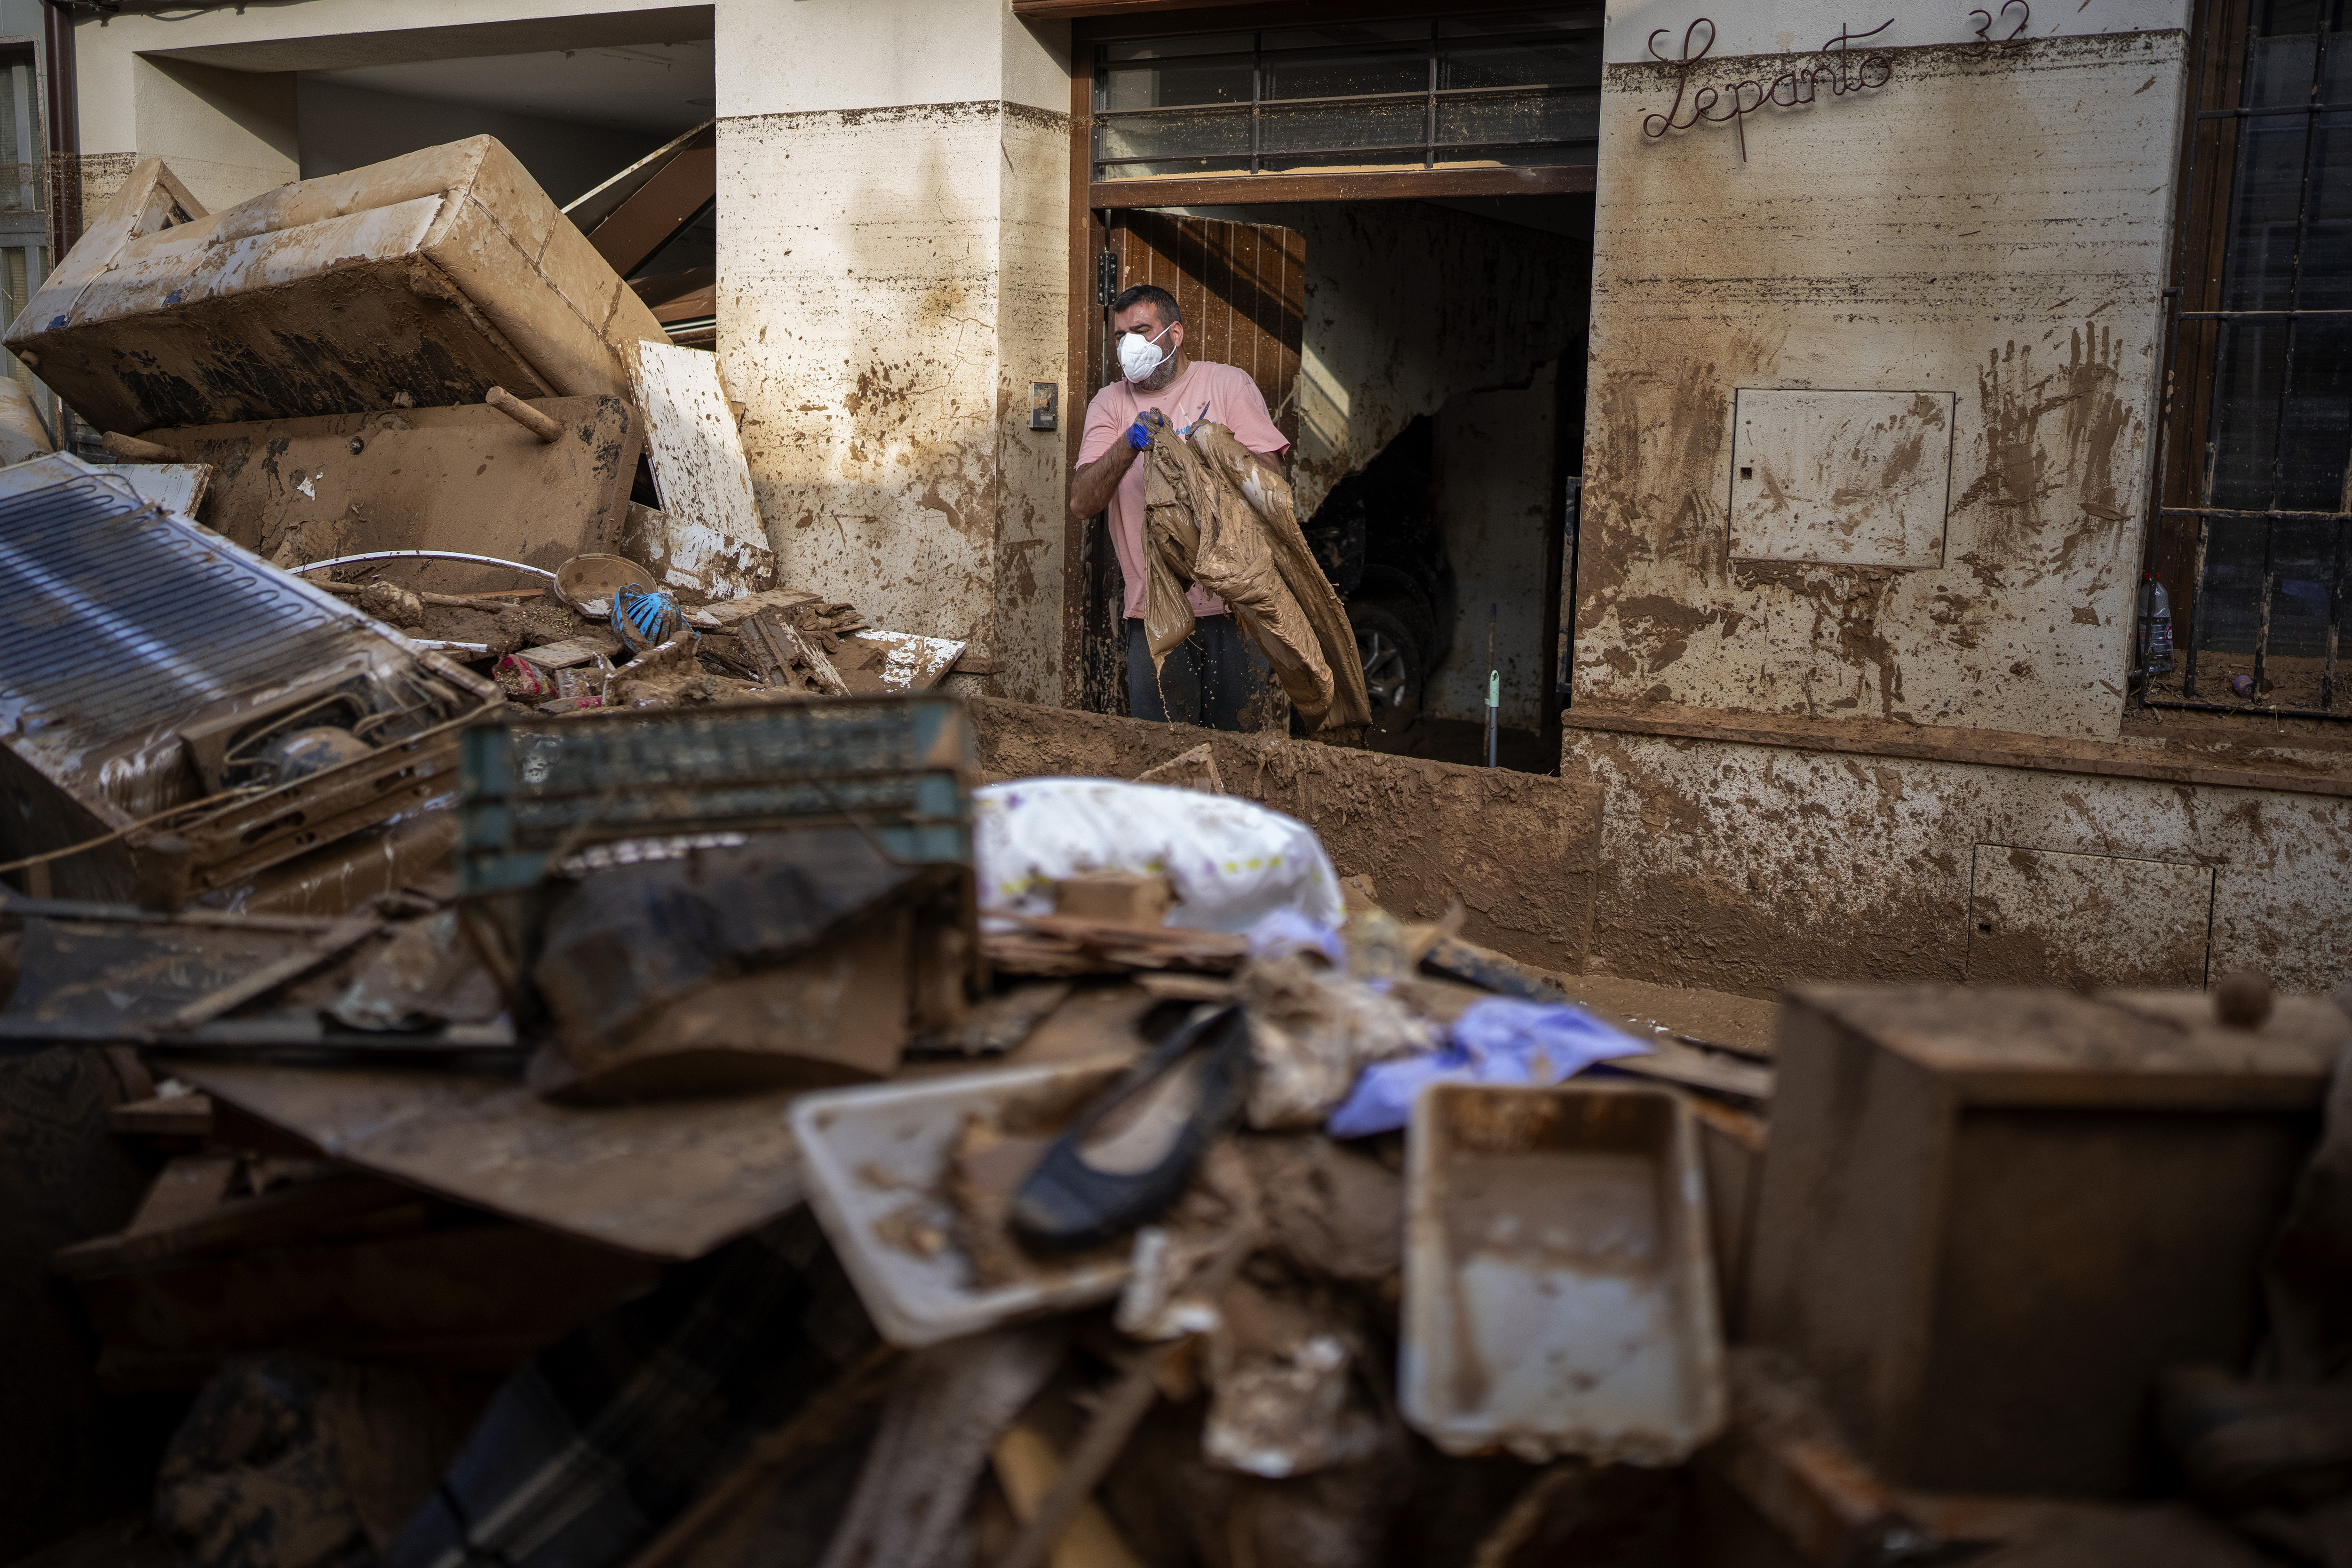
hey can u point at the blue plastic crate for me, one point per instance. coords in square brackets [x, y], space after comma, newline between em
[536, 789]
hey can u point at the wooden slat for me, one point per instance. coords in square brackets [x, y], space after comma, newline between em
[1241, 245]
[1288, 283]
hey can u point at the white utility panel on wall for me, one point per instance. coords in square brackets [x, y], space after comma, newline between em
[1840, 479]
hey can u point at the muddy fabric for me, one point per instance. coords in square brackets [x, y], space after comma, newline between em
[626, 941]
[1200, 528]
[286, 1461]
[607, 1435]
[1312, 1031]
[252, 1479]
[1332, 1211]
[1294, 558]
[1215, 677]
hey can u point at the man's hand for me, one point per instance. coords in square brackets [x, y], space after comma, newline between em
[1092, 486]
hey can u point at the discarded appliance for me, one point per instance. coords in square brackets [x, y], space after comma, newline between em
[1559, 1292]
[183, 717]
[469, 478]
[422, 281]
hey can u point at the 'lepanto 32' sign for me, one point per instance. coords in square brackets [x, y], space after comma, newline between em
[1835, 66]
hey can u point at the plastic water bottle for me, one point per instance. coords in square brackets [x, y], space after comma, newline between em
[2155, 627]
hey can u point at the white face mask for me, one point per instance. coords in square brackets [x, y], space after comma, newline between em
[1138, 356]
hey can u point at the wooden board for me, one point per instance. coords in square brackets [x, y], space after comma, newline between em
[663, 1181]
[1972, 1196]
[1241, 286]
[465, 478]
[707, 533]
[875, 663]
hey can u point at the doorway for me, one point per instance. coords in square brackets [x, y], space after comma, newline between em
[1434, 388]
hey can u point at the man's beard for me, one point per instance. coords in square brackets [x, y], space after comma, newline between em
[1159, 380]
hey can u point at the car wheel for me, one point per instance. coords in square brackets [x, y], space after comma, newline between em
[1392, 667]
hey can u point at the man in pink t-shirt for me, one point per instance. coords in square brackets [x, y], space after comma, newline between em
[1216, 673]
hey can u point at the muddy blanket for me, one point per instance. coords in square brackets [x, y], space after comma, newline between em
[1215, 518]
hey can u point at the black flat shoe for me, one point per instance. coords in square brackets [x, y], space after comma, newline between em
[1098, 1182]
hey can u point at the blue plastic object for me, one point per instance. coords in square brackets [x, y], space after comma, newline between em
[645, 617]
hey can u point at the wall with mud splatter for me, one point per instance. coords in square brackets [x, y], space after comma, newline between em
[891, 280]
[1749, 867]
[1991, 221]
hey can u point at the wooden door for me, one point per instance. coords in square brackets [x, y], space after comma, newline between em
[1242, 288]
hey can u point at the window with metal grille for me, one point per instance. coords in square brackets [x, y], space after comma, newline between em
[1512, 88]
[2255, 461]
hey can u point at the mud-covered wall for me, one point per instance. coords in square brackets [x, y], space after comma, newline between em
[1987, 220]
[893, 199]
[1747, 867]
[1516, 849]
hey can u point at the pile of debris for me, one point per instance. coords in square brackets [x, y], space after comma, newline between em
[569, 1067]
[418, 389]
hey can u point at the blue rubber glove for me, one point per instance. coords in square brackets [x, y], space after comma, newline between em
[1139, 435]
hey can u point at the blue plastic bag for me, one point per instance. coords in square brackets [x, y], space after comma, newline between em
[1499, 1040]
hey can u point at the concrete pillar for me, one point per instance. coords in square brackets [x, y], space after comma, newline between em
[893, 234]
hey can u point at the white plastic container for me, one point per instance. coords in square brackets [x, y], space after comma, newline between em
[877, 1159]
[1559, 1290]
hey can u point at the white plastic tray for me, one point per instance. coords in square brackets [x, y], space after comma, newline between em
[877, 1156]
[1558, 1291]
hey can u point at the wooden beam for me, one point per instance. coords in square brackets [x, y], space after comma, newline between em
[643, 224]
[1355, 186]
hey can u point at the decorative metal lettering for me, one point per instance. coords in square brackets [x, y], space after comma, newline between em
[1984, 28]
[1791, 90]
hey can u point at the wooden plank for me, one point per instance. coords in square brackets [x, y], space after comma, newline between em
[184, 1190]
[266, 1219]
[346, 934]
[1356, 186]
[573, 651]
[711, 539]
[474, 1297]
[659, 208]
[666, 1181]
[1978, 748]
[181, 1116]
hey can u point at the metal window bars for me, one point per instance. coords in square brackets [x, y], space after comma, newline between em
[2217, 235]
[1261, 104]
